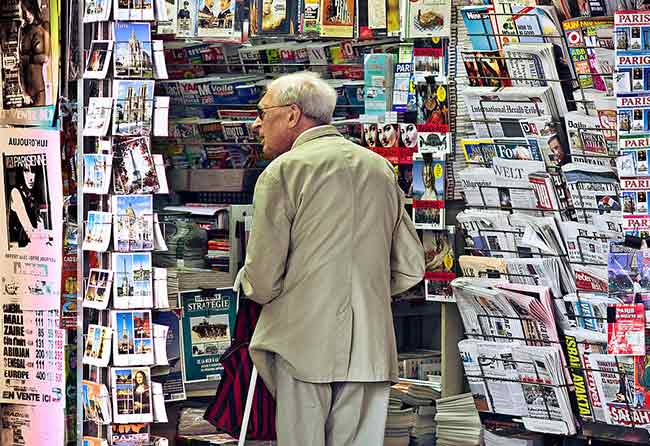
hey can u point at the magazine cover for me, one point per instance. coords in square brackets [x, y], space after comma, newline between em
[97, 351]
[133, 108]
[134, 169]
[97, 173]
[275, 17]
[486, 69]
[98, 289]
[428, 192]
[132, 287]
[133, 10]
[95, 402]
[171, 377]
[133, 225]
[132, 395]
[130, 434]
[642, 382]
[626, 329]
[98, 118]
[29, 48]
[133, 343]
[439, 262]
[208, 319]
[337, 18]
[428, 18]
[432, 104]
[591, 44]
[133, 53]
[98, 231]
[99, 59]
[479, 27]
[97, 10]
[186, 18]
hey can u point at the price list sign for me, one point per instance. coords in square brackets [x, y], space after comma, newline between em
[32, 357]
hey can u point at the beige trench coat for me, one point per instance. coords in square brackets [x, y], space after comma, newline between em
[330, 243]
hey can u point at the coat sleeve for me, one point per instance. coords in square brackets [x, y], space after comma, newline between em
[406, 254]
[266, 255]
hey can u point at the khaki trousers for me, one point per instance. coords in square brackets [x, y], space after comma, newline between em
[334, 414]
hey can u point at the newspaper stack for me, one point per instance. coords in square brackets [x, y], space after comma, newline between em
[492, 439]
[424, 430]
[186, 243]
[193, 278]
[457, 421]
[415, 392]
[399, 423]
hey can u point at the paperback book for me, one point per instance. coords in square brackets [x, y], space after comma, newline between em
[428, 192]
[439, 264]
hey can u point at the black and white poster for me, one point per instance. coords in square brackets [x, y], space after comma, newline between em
[32, 217]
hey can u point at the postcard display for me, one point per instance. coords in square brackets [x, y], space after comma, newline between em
[553, 293]
[122, 341]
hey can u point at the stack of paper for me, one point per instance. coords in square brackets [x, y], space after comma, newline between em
[457, 421]
[424, 431]
[415, 392]
[399, 424]
[194, 278]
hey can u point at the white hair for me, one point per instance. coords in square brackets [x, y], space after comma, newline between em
[315, 97]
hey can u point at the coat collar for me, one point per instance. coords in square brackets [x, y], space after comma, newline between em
[313, 133]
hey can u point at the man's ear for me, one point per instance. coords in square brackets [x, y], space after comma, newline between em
[294, 116]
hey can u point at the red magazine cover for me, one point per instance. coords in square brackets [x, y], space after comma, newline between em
[626, 329]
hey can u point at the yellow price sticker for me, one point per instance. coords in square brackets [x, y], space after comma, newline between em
[437, 171]
[435, 39]
[441, 93]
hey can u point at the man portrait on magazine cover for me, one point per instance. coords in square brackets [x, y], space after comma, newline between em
[34, 53]
[24, 186]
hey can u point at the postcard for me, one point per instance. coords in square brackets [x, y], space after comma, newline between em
[133, 225]
[133, 107]
[98, 289]
[132, 395]
[186, 19]
[97, 173]
[95, 402]
[161, 116]
[98, 231]
[159, 64]
[132, 287]
[98, 117]
[428, 192]
[133, 54]
[134, 10]
[134, 170]
[133, 343]
[167, 25]
[97, 10]
[98, 346]
[99, 59]
[130, 434]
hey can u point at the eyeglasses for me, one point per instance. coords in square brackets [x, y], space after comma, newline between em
[261, 110]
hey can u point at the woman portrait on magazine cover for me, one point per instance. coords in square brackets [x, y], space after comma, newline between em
[141, 394]
[24, 205]
[34, 53]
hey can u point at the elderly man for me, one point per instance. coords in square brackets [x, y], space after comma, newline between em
[330, 243]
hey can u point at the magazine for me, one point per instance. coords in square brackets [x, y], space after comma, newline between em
[428, 192]
[98, 289]
[133, 107]
[337, 18]
[95, 401]
[134, 170]
[439, 262]
[427, 18]
[486, 69]
[171, 377]
[479, 27]
[217, 19]
[626, 329]
[99, 59]
[132, 287]
[97, 351]
[207, 323]
[591, 45]
[133, 53]
[97, 173]
[133, 342]
[132, 399]
[98, 231]
[133, 225]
